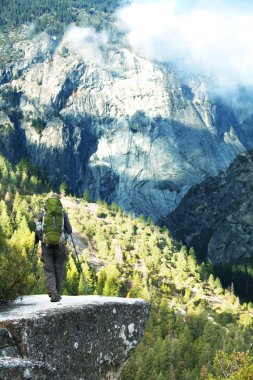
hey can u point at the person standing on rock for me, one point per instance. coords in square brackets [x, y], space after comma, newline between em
[52, 229]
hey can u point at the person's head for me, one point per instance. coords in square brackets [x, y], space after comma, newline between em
[53, 195]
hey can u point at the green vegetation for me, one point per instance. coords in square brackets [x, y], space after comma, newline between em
[17, 184]
[197, 330]
[177, 346]
[50, 15]
[44, 13]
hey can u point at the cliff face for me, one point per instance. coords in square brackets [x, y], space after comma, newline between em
[125, 128]
[216, 217]
[79, 338]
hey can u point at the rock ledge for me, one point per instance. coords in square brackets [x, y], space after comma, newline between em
[84, 337]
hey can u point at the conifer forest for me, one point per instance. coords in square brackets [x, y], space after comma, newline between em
[196, 330]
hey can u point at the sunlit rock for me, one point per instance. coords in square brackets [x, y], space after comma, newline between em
[84, 337]
[126, 129]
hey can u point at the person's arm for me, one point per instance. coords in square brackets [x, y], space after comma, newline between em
[36, 238]
[67, 225]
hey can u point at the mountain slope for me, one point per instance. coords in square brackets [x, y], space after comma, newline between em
[216, 216]
[99, 117]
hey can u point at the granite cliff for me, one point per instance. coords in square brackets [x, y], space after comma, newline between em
[124, 128]
[216, 216]
[81, 337]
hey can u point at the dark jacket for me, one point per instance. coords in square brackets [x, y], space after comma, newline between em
[67, 225]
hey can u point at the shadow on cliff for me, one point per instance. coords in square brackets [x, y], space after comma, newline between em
[191, 152]
[199, 151]
[12, 138]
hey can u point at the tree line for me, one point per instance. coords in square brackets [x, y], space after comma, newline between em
[48, 15]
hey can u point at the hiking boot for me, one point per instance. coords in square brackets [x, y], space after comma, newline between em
[55, 298]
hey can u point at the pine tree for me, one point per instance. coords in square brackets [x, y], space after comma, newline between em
[136, 286]
[7, 197]
[211, 281]
[64, 188]
[86, 196]
[101, 282]
[218, 286]
[89, 287]
[5, 220]
[15, 277]
[22, 237]
[72, 277]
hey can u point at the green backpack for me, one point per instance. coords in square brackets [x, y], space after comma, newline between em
[53, 222]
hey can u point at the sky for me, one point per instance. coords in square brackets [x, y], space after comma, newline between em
[212, 38]
[208, 37]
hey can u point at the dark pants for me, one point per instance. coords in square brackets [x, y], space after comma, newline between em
[54, 258]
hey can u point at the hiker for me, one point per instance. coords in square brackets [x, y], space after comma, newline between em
[52, 229]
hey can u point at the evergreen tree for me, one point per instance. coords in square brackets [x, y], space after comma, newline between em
[111, 286]
[89, 287]
[5, 220]
[101, 282]
[72, 277]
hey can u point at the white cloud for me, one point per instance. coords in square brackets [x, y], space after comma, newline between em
[213, 38]
[87, 43]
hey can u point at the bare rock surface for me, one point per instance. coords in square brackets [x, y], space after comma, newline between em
[132, 131]
[84, 337]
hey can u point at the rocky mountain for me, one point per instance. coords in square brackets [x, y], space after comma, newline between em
[216, 216]
[103, 119]
[81, 337]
